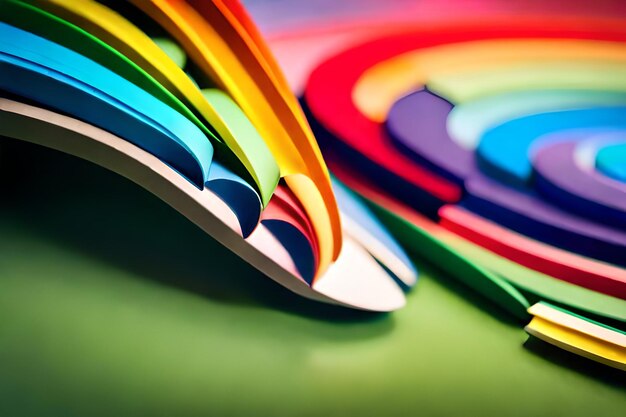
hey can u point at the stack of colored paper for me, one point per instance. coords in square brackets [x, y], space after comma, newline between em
[184, 98]
[494, 147]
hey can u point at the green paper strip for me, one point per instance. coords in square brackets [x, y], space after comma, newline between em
[173, 50]
[239, 154]
[265, 170]
[542, 285]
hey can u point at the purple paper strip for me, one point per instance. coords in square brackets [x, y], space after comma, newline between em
[417, 125]
[528, 214]
[560, 179]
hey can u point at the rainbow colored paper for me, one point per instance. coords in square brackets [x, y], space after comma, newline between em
[483, 143]
[184, 99]
[494, 148]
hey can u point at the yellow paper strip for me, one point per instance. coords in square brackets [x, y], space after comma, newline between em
[383, 84]
[288, 137]
[129, 40]
[578, 336]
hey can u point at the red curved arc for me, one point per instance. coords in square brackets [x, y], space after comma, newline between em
[535, 255]
[329, 90]
[284, 206]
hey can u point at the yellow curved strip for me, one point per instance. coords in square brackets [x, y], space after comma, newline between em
[255, 45]
[383, 84]
[129, 40]
[607, 76]
[289, 139]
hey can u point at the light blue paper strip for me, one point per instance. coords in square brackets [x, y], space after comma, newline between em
[504, 151]
[611, 161]
[354, 210]
[43, 71]
[469, 121]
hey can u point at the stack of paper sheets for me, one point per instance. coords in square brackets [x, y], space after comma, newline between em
[184, 98]
[495, 148]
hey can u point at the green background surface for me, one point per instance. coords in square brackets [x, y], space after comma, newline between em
[113, 304]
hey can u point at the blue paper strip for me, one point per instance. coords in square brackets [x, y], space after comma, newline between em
[35, 68]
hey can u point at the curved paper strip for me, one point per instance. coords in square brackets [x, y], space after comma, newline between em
[289, 139]
[126, 38]
[69, 135]
[266, 243]
[242, 199]
[264, 168]
[250, 47]
[291, 204]
[51, 74]
[172, 50]
[611, 161]
[596, 276]
[350, 133]
[297, 246]
[384, 83]
[418, 124]
[363, 226]
[237, 15]
[288, 222]
[468, 121]
[392, 78]
[579, 323]
[578, 335]
[543, 286]
[503, 152]
[416, 233]
[598, 76]
[586, 151]
[585, 158]
[527, 214]
[357, 278]
[559, 178]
